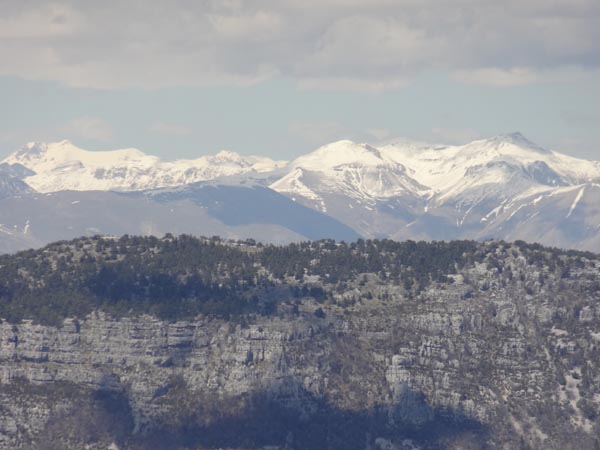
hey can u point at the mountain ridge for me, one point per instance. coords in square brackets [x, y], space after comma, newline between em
[433, 166]
[502, 187]
[63, 166]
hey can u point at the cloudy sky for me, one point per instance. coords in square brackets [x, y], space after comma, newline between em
[182, 78]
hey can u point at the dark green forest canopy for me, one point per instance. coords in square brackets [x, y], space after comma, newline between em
[180, 277]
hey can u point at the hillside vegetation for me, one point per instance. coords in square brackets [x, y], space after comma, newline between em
[179, 277]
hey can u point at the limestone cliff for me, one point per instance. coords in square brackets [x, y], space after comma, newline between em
[505, 355]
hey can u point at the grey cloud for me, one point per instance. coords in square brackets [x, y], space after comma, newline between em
[352, 44]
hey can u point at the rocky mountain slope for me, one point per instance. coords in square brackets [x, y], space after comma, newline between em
[505, 187]
[31, 220]
[371, 345]
[11, 183]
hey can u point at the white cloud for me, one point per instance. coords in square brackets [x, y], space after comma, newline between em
[88, 128]
[328, 44]
[521, 76]
[496, 77]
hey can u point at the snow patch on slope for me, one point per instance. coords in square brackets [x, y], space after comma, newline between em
[576, 201]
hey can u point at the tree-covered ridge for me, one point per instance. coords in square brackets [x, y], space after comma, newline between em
[179, 277]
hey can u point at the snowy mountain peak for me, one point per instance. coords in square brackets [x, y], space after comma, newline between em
[64, 143]
[359, 171]
[339, 154]
[30, 150]
[39, 155]
[518, 138]
[229, 156]
[515, 139]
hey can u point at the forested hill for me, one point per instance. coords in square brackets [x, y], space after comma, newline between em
[180, 277]
[186, 343]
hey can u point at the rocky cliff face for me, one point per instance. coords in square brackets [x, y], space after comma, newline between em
[505, 356]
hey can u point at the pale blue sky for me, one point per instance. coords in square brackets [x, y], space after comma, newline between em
[180, 79]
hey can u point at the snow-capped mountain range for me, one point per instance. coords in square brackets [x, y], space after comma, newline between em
[62, 166]
[505, 187]
[437, 174]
